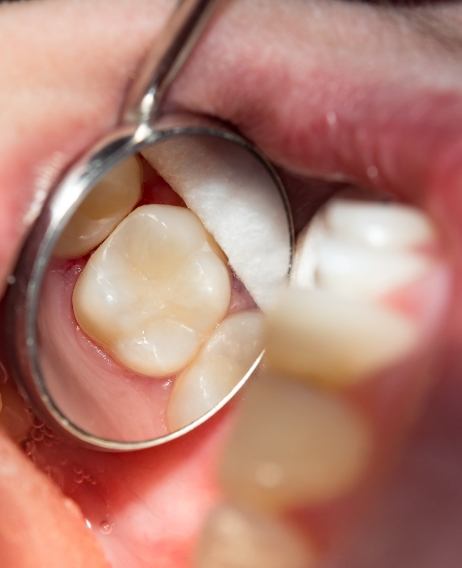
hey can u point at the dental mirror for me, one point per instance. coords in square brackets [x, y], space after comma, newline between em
[135, 309]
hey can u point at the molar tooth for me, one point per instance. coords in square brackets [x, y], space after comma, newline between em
[292, 445]
[153, 291]
[221, 364]
[234, 538]
[113, 197]
[384, 225]
[318, 336]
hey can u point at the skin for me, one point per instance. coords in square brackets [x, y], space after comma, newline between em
[328, 88]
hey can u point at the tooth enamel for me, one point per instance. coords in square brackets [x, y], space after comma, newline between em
[355, 271]
[234, 197]
[14, 417]
[318, 336]
[235, 538]
[293, 446]
[362, 250]
[226, 358]
[108, 203]
[153, 291]
[386, 225]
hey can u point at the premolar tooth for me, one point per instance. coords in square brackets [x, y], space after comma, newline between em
[221, 364]
[113, 197]
[318, 336]
[233, 195]
[384, 225]
[153, 291]
[234, 538]
[293, 446]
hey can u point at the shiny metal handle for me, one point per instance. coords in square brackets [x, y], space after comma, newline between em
[170, 52]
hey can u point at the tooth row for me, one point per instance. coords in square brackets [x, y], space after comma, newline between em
[294, 445]
[153, 291]
[107, 204]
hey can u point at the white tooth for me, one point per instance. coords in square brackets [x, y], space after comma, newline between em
[226, 358]
[293, 446]
[319, 336]
[362, 250]
[354, 271]
[234, 538]
[153, 291]
[237, 202]
[113, 197]
[384, 225]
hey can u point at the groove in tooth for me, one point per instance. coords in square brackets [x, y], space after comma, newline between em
[384, 225]
[362, 250]
[292, 446]
[238, 203]
[112, 198]
[234, 538]
[318, 336]
[153, 291]
[14, 417]
[221, 364]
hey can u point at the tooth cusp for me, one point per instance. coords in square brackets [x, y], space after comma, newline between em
[153, 291]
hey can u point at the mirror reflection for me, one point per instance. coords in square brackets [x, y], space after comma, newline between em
[151, 309]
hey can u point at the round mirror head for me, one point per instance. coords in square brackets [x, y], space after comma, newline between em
[150, 277]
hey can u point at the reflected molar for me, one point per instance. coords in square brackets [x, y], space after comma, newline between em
[153, 291]
[228, 355]
[112, 199]
[293, 445]
[363, 250]
[234, 538]
[320, 337]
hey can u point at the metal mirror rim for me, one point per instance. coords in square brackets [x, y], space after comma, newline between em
[23, 295]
